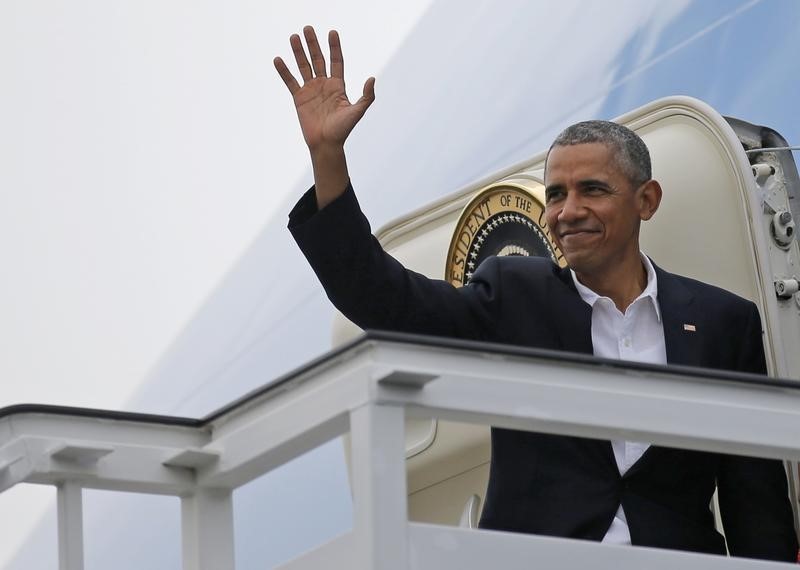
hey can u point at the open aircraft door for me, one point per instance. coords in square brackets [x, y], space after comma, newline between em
[727, 218]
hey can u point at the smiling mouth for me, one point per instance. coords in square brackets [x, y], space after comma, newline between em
[579, 233]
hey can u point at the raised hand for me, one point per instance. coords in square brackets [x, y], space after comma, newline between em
[325, 113]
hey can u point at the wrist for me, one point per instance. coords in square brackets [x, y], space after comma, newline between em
[326, 152]
[330, 173]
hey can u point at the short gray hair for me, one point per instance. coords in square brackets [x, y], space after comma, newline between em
[629, 149]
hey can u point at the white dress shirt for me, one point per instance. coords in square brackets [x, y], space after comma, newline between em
[635, 335]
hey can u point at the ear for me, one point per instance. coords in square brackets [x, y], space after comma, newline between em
[649, 199]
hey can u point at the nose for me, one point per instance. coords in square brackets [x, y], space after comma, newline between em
[571, 208]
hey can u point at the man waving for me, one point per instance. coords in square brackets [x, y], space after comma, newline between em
[611, 301]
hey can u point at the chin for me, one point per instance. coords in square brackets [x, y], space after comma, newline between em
[581, 263]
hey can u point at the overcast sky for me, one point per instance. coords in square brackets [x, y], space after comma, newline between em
[143, 145]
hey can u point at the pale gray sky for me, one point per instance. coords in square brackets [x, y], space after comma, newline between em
[143, 145]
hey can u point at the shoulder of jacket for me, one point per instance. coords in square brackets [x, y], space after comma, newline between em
[522, 267]
[527, 263]
[706, 292]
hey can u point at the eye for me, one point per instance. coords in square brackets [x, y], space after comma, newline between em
[595, 190]
[552, 194]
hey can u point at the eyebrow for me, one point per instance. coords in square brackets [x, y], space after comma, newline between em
[593, 182]
[581, 184]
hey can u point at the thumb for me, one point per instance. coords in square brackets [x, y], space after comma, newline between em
[369, 94]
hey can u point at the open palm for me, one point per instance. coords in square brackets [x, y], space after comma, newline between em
[325, 113]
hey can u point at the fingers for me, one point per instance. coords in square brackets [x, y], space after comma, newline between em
[316, 68]
[337, 61]
[317, 59]
[300, 57]
[286, 75]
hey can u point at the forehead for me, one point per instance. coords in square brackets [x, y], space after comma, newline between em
[579, 161]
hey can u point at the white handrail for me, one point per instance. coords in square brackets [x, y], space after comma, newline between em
[370, 387]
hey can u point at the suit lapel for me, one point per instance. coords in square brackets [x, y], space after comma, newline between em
[573, 321]
[679, 319]
[573, 324]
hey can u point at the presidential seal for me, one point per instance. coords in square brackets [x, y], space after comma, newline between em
[502, 219]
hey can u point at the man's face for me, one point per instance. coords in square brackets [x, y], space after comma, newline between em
[592, 208]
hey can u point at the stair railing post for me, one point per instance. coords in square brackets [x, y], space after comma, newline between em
[380, 506]
[207, 530]
[70, 525]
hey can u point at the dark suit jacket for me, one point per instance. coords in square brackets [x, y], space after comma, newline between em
[559, 485]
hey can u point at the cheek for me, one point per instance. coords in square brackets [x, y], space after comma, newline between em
[550, 221]
[619, 228]
[550, 218]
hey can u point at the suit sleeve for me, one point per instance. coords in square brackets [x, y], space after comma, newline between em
[753, 493]
[374, 290]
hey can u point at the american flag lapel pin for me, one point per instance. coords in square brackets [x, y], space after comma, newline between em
[689, 327]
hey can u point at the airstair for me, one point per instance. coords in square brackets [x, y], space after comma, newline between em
[369, 387]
